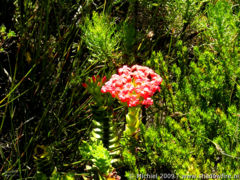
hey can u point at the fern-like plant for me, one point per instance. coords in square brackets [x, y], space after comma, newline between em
[100, 37]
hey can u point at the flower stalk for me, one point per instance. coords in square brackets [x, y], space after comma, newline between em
[132, 121]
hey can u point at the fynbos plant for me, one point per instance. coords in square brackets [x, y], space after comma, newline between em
[103, 128]
[100, 37]
[133, 86]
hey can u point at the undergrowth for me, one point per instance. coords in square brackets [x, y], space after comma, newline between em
[54, 127]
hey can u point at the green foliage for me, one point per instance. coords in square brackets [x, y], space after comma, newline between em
[55, 46]
[37, 65]
[100, 37]
[223, 28]
[128, 37]
[5, 37]
[182, 14]
[103, 129]
[200, 87]
[98, 155]
[5, 34]
[54, 176]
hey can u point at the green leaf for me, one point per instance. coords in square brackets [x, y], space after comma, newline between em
[2, 29]
[11, 34]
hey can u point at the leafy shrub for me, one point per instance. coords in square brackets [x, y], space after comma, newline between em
[98, 155]
[101, 37]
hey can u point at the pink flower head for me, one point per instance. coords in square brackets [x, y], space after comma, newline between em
[135, 85]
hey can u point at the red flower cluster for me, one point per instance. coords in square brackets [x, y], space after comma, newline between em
[133, 85]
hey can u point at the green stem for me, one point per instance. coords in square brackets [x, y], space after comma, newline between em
[133, 121]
